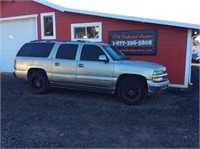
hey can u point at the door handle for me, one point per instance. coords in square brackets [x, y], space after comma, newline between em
[57, 64]
[80, 65]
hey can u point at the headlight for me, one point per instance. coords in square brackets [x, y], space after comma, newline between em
[159, 76]
[158, 72]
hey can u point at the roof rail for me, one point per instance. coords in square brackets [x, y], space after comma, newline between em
[41, 41]
[60, 41]
[33, 40]
[83, 41]
[48, 41]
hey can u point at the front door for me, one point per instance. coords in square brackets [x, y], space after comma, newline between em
[91, 71]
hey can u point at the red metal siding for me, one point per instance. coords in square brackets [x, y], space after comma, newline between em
[171, 47]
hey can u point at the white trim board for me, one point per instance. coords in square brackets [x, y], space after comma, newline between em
[18, 17]
[42, 15]
[99, 24]
[177, 86]
[188, 63]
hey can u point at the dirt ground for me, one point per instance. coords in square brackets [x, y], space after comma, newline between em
[76, 119]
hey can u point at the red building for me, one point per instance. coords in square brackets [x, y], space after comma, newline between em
[24, 21]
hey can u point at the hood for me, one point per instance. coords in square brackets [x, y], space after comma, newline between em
[143, 64]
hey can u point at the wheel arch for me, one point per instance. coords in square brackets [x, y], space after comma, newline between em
[31, 70]
[122, 76]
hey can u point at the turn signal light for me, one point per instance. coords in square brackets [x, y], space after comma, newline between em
[157, 79]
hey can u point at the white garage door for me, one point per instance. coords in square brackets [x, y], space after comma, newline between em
[13, 34]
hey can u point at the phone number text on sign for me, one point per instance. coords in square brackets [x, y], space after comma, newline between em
[132, 43]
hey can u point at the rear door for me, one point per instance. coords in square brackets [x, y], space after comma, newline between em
[91, 71]
[64, 64]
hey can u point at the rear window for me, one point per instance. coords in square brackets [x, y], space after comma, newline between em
[36, 49]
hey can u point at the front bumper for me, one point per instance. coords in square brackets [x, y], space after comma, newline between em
[157, 87]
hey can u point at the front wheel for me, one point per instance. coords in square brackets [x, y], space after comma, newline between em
[132, 90]
[38, 82]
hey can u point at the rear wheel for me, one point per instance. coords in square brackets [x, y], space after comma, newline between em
[38, 82]
[132, 90]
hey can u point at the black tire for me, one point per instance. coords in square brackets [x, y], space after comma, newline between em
[39, 82]
[132, 90]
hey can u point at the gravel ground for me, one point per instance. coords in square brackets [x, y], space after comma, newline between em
[67, 119]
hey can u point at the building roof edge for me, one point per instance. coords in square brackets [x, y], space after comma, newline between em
[121, 17]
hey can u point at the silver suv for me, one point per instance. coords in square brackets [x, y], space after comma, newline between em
[88, 66]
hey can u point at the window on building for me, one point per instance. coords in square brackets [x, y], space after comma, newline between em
[91, 53]
[67, 51]
[87, 31]
[48, 28]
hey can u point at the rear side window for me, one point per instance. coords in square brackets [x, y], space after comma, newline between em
[67, 51]
[36, 49]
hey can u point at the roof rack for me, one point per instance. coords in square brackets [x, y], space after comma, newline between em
[85, 41]
[48, 41]
[41, 41]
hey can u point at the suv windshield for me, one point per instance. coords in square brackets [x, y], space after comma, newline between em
[114, 53]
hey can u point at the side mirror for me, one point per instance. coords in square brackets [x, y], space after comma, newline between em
[103, 58]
